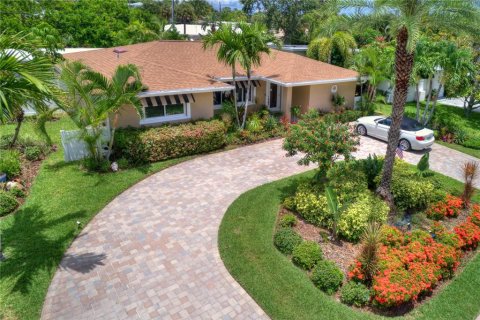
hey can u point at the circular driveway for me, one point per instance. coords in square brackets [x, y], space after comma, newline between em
[152, 252]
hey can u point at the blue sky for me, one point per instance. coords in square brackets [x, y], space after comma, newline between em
[234, 4]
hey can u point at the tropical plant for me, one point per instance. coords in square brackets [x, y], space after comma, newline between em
[407, 18]
[229, 51]
[255, 40]
[470, 174]
[341, 41]
[376, 63]
[372, 166]
[120, 90]
[321, 141]
[332, 202]
[423, 165]
[370, 251]
[27, 78]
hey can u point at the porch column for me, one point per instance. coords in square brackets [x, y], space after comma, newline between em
[286, 101]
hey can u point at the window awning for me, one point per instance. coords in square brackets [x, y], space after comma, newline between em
[166, 100]
[244, 83]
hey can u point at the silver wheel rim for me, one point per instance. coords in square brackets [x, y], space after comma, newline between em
[361, 130]
[404, 145]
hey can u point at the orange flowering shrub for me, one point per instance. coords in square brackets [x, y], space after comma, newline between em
[409, 265]
[469, 234]
[391, 236]
[450, 208]
[475, 216]
[443, 236]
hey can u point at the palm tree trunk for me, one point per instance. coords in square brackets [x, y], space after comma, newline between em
[372, 92]
[246, 100]
[429, 98]
[235, 94]
[434, 104]
[403, 70]
[19, 119]
[417, 97]
[112, 135]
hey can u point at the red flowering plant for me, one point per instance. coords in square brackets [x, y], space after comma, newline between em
[355, 272]
[391, 236]
[475, 216]
[469, 234]
[450, 208]
[441, 235]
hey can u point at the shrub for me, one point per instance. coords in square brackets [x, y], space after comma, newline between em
[288, 220]
[354, 293]
[327, 276]
[10, 163]
[289, 203]
[311, 204]
[320, 142]
[307, 254]
[472, 143]
[450, 208]
[17, 193]
[254, 123]
[348, 179]
[96, 165]
[391, 236]
[418, 235]
[475, 216]
[286, 240]
[469, 234]
[156, 144]
[270, 123]
[7, 203]
[372, 167]
[33, 153]
[358, 214]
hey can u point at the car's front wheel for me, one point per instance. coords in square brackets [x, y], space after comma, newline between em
[361, 130]
[404, 145]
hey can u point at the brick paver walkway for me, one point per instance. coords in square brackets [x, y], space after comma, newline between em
[152, 252]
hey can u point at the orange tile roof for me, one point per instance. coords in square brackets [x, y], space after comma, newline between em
[185, 65]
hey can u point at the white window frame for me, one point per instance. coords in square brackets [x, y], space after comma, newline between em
[254, 97]
[187, 115]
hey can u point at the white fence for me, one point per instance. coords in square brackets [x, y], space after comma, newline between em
[75, 148]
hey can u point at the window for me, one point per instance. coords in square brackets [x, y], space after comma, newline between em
[385, 122]
[170, 112]
[220, 97]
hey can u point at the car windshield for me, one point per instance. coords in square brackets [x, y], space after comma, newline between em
[411, 125]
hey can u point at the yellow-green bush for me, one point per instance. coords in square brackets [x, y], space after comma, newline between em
[311, 204]
[355, 218]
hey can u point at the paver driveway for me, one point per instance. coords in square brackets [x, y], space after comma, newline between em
[152, 252]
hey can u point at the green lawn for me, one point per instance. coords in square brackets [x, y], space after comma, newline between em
[471, 125]
[35, 238]
[285, 292]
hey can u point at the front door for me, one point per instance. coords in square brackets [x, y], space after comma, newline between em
[273, 96]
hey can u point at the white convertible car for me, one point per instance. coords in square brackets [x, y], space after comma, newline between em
[413, 135]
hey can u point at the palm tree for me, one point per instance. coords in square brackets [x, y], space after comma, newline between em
[322, 48]
[26, 78]
[255, 39]
[408, 18]
[90, 98]
[122, 89]
[229, 51]
[376, 63]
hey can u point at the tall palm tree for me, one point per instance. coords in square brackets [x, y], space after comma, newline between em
[408, 18]
[26, 78]
[122, 89]
[255, 39]
[229, 51]
[322, 48]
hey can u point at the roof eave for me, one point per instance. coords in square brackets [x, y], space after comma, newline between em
[180, 91]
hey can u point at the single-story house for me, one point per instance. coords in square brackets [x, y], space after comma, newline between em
[185, 82]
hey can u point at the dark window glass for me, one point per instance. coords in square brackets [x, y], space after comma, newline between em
[151, 112]
[386, 122]
[217, 98]
[173, 109]
[411, 125]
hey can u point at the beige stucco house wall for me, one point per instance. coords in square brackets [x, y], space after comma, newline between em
[308, 97]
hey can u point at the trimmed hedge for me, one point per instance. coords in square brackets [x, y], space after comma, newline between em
[156, 144]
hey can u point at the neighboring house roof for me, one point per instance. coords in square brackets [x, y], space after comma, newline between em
[169, 66]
